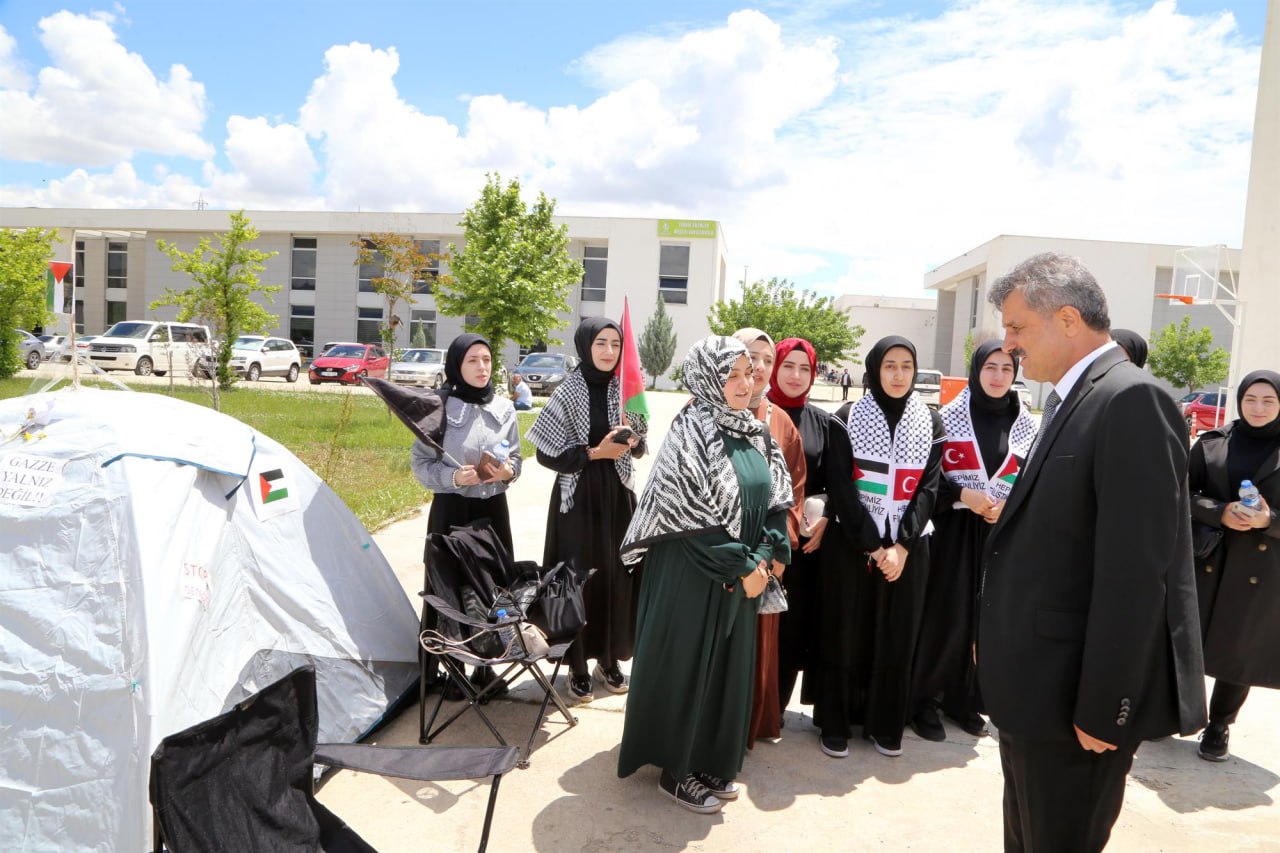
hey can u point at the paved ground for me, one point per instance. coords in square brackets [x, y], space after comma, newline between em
[942, 796]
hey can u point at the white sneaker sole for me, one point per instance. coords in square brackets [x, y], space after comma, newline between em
[884, 750]
[598, 674]
[711, 806]
[834, 753]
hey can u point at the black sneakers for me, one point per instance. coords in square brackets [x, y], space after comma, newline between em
[690, 793]
[971, 722]
[926, 724]
[612, 678]
[1213, 742]
[721, 789]
[886, 747]
[580, 687]
[836, 747]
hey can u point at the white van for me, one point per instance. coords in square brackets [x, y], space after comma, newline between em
[150, 346]
[929, 387]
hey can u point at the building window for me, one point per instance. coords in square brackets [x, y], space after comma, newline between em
[79, 277]
[79, 316]
[973, 305]
[425, 321]
[371, 270]
[117, 312]
[595, 270]
[369, 325]
[302, 327]
[673, 274]
[303, 274]
[117, 265]
[427, 276]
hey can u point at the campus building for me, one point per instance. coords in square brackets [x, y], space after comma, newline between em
[881, 316]
[327, 296]
[1131, 274]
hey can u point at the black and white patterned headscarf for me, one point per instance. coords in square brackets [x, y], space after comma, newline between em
[565, 421]
[693, 488]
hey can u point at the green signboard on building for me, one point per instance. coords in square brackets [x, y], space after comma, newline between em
[704, 228]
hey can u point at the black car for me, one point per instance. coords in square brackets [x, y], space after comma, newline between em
[544, 371]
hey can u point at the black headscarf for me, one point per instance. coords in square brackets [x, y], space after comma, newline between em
[992, 417]
[1270, 431]
[1134, 345]
[893, 407]
[453, 370]
[586, 335]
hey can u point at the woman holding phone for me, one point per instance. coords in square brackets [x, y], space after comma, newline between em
[582, 436]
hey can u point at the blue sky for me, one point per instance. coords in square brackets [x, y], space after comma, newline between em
[847, 145]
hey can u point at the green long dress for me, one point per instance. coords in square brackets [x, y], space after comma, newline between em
[690, 702]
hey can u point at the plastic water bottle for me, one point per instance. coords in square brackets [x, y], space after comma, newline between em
[1250, 499]
[502, 450]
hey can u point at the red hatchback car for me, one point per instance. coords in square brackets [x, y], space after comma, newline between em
[1205, 410]
[349, 363]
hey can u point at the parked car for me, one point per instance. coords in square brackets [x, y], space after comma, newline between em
[544, 371]
[1024, 393]
[349, 363]
[82, 348]
[255, 356]
[31, 348]
[150, 346]
[423, 367]
[929, 387]
[1206, 410]
[52, 343]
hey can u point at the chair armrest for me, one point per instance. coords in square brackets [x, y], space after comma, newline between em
[442, 607]
[425, 764]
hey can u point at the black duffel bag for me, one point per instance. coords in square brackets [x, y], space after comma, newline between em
[559, 609]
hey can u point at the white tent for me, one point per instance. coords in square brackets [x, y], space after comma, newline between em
[159, 562]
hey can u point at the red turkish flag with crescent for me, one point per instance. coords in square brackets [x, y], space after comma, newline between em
[959, 456]
[905, 483]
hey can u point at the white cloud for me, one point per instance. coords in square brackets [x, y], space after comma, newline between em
[98, 103]
[12, 75]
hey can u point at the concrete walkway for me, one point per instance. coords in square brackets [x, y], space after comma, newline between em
[943, 796]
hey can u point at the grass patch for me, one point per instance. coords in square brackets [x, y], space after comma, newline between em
[350, 440]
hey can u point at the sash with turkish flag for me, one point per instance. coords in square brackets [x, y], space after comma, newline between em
[905, 483]
[633, 400]
[959, 456]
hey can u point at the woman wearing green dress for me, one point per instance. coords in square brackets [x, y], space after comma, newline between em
[712, 517]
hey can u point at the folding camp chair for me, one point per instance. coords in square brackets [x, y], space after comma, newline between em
[243, 780]
[473, 556]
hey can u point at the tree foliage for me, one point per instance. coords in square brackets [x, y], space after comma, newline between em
[514, 271]
[775, 307]
[969, 347]
[657, 342]
[402, 264]
[1186, 357]
[24, 261]
[225, 282]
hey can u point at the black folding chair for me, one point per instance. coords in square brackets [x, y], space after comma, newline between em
[244, 780]
[473, 556]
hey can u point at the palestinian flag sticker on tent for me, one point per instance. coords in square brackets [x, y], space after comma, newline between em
[270, 488]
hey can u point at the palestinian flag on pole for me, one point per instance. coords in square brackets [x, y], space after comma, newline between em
[272, 485]
[632, 377]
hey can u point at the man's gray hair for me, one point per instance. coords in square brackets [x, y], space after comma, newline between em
[1051, 281]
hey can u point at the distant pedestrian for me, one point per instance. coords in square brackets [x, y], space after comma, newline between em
[845, 382]
[521, 395]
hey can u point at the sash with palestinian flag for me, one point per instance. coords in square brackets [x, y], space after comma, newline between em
[962, 461]
[888, 464]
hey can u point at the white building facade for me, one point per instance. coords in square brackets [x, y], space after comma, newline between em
[881, 316]
[1130, 274]
[325, 294]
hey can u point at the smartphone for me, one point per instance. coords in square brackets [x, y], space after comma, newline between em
[623, 435]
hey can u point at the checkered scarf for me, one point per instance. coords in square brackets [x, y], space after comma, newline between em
[889, 463]
[565, 422]
[962, 461]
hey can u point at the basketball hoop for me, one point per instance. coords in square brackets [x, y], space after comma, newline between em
[1177, 297]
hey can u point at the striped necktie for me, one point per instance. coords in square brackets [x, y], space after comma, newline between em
[1050, 409]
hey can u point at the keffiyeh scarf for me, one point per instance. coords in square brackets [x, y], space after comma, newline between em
[565, 422]
[889, 463]
[693, 487]
[962, 461]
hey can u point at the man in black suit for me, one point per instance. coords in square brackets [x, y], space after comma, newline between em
[1089, 639]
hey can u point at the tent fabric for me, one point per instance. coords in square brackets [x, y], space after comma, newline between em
[160, 562]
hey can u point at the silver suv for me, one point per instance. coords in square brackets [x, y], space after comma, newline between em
[31, 348]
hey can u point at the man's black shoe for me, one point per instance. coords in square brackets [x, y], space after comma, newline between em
[926, 724]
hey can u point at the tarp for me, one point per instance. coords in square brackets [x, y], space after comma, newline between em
[158, 563]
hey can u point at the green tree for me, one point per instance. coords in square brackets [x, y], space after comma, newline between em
[1186, 357]
[969, 347]
[514, 271]
[777, 308]
[657, 343]
[419, 337]
[24, 261]
[225, 282]
[401, 266]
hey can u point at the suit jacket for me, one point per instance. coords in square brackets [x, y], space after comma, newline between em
[1088, 601]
